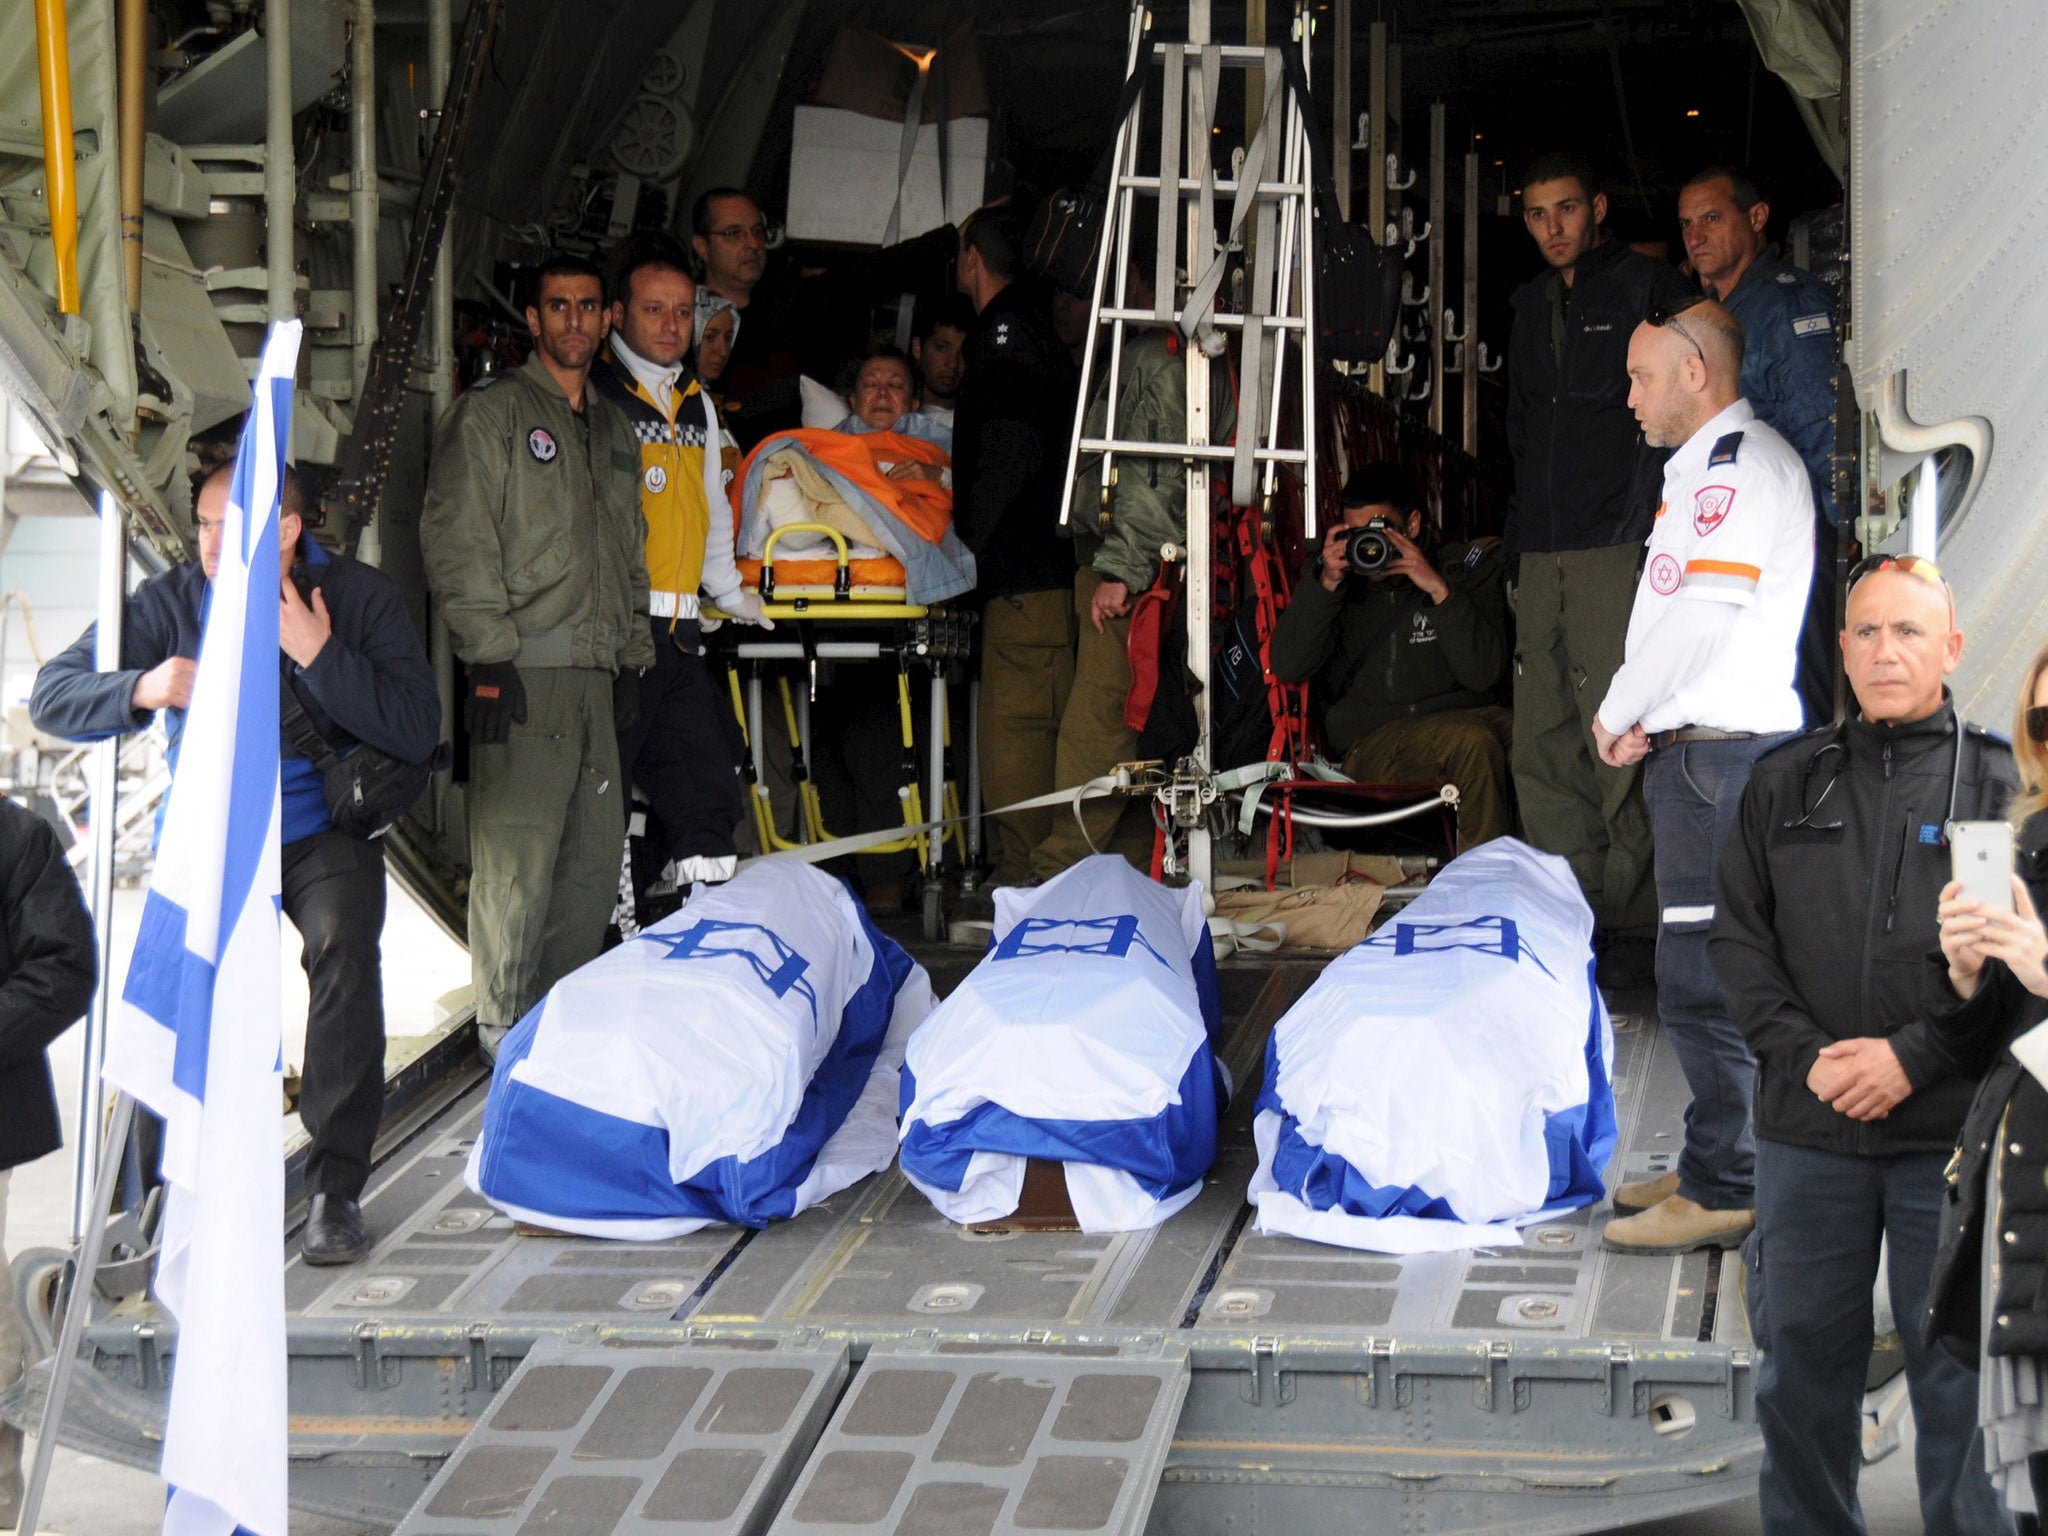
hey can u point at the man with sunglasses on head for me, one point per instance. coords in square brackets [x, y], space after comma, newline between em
[1826, 942]
[1585, 486]
[1706, 690]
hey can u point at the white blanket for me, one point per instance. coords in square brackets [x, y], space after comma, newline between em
[1445, 1081]
[1083, 1038]
[736, 1062]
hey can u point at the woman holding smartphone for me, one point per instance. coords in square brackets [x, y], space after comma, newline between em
[1989, 1297]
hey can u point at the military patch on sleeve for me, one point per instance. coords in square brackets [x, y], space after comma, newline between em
[1724, 450]
[1811, 325]
[1473, 554]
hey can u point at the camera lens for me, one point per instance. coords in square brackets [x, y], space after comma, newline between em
[1368, 551]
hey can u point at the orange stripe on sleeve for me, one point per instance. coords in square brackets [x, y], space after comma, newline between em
[1723, 568]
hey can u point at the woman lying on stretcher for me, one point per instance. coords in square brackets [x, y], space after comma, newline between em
[882, 479]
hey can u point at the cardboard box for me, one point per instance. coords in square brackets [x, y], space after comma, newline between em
[869, 74]
[842, 175]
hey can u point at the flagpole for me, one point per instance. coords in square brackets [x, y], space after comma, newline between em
[84, 1269]
[106, 790]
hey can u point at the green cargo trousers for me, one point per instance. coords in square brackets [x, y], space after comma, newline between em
[1092, 740]
[1465, 747]
[1571, 623]
[1027, 670]
[546, 836]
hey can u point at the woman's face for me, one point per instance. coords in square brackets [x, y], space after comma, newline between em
[714, 348]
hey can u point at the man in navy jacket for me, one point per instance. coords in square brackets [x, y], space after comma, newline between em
[46, 976]
[350, 657]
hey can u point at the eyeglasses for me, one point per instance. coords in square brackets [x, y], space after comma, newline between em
[1662, 316]
[742, 232]
[2037, 723]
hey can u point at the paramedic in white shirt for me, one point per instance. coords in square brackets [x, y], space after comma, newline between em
[1705, 689]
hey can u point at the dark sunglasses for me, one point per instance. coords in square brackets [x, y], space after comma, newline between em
[1661, 315]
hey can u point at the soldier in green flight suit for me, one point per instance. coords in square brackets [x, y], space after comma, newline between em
[535, 553]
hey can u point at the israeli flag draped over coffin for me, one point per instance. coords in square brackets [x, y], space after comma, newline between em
[736, 1062]
[198, 1031]
[1446, 1080]
[1084, 1037]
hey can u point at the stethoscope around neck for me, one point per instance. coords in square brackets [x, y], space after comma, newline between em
[1840, 752]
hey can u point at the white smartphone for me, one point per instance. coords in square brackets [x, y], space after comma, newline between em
[1981, 854]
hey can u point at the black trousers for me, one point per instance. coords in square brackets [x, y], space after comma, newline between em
[683, 753]
[334, 895]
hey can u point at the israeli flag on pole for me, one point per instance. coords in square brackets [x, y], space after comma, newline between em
[197, 1035]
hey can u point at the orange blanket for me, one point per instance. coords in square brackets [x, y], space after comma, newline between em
[925, 506]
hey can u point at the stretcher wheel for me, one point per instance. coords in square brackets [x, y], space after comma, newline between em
[934, 912]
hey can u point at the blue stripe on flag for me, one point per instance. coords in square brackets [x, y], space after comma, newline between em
[1163, 1154]
[547, 1154]
[173, 986]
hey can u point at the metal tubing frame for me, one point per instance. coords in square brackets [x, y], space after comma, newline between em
[106, 794]
[1125, 140]
[441, 383]
[1340, 105]
[1470, 397]
[935, 775]
[84, 1268]
[53, 74]
[1376, 183]
[280, 189]
[363, 203]
[1201, 544]
[131, 32]
[1436, 279]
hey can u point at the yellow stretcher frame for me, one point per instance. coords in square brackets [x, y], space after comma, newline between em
[805, 607]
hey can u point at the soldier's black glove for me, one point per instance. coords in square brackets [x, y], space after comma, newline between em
[496, 701]
[626, 700]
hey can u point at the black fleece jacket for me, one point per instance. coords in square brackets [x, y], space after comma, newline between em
[47, 966]
[1826, 930]
[1584, 477]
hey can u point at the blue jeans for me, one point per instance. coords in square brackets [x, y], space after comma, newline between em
[1819, 1219]
[1694, 789]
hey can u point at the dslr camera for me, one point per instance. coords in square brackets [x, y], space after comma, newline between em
[1368, 550]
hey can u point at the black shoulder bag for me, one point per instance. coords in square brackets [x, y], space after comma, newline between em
[1358, 280]
[1066, 230]
[368, 790]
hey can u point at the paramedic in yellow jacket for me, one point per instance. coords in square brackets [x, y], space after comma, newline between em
[683, 749]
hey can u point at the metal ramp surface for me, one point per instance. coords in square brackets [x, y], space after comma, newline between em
[591, 1440]
[965, 1440]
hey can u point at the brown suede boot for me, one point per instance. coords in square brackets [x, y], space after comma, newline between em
[1640, 1196]
[1677, 1225]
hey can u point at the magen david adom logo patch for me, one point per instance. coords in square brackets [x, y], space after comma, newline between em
[1710, 507]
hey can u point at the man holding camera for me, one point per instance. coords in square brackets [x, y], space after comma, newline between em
[1406, 643]
[353, 664]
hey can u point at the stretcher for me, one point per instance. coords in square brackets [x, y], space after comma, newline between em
[844, 608]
